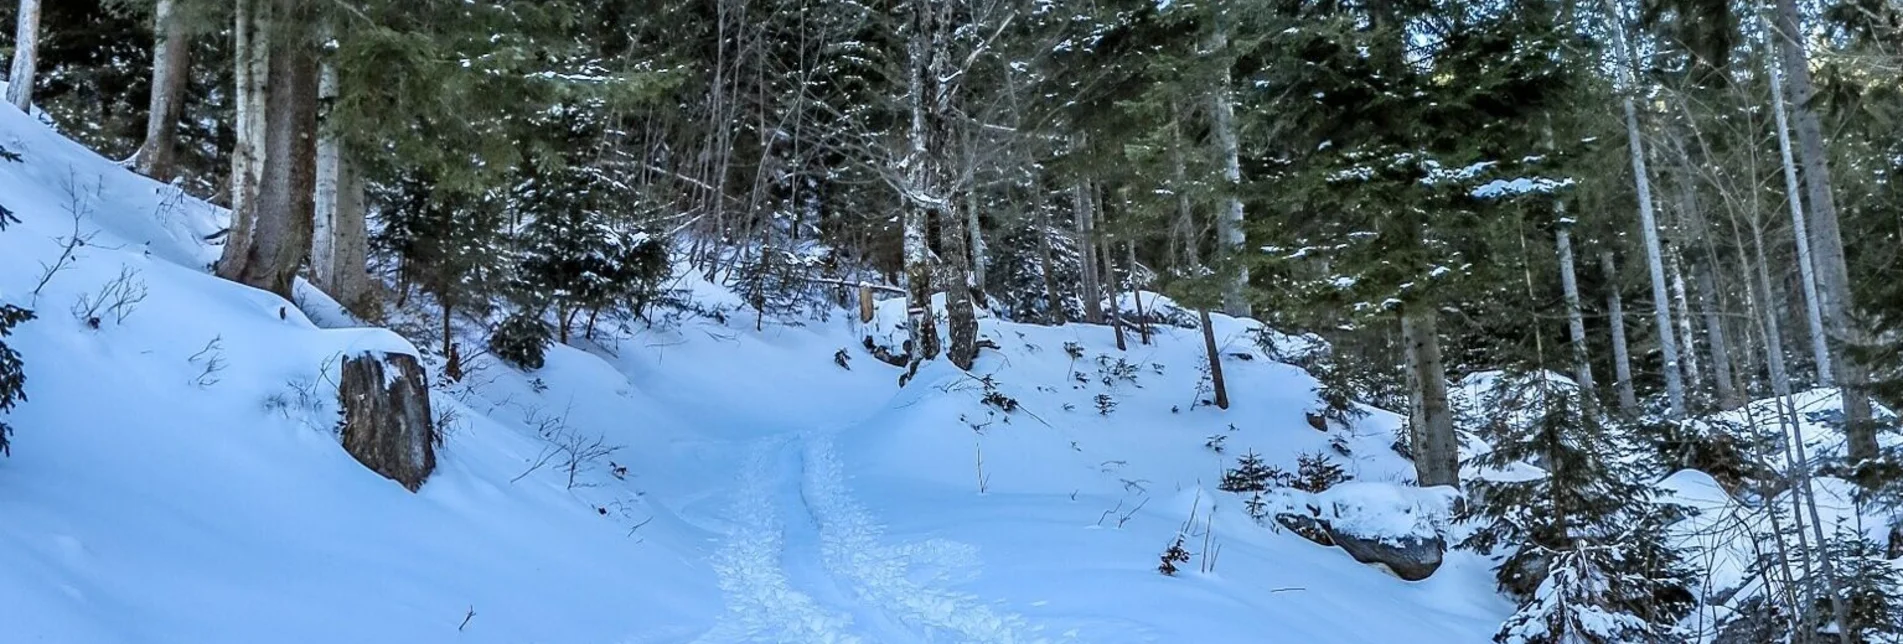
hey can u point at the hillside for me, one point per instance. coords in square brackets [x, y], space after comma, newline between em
[176, 476]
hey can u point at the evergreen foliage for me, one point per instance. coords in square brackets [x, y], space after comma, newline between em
[1585, 544]
[521, 340]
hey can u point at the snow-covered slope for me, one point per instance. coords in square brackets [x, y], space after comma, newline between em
[176, 477]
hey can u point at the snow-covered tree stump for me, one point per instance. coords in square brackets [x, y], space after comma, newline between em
[387, 421]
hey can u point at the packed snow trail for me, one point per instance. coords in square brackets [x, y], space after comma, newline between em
[883, 576]
[762, 603]
[805, 562]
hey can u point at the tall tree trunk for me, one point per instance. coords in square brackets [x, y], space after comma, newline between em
[171, 67]
[1621, 351]
[1183, 246]
[1235, 299]
[339, 244]
[975, 238]
[1804, 497]
[1682, 312]
[1430, 422]
[1648, 223]
[1216, 382]
[281, 233]
[1136, 294]
[1091, 290]
[1052, 297]
[26, 50]
[1575, 318]
[1806, 265]
[1826, 240]
[251, 56]
[1723, 376]
[961, 325]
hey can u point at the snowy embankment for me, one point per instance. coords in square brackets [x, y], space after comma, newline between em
[176, 475]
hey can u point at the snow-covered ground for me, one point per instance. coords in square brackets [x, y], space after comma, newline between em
[176, 476]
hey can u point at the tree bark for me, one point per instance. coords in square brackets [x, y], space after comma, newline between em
[1648, 224]
[1575, 318]
[251, 55]
[339, 244]
[1806, 265]
[1682, 312]
[1804, 497]
[1215, 361]
[1092, 289]
[171, 68]
[26, 50]
[1053, 298]
[961, 318]
[281, 232]
[1184, 255]
[1430, 423]
[1621, 353]
[1724, 377]
[1235, 300]
[1826, 240]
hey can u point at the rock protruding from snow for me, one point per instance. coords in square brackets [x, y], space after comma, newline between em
[385, 398]
[1411, 557]
[1396, 526]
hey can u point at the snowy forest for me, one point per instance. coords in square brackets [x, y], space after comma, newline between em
[1522, 321]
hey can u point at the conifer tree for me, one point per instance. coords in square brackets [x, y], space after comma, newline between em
[1585, 544]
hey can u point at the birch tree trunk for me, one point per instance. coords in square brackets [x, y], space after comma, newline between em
[251, 54]
[171, 67]
[975, 237]
[1575, 318]
[1813, 306]
[1826, 241]
[1621, 352]
[1681, 305]
[1648, 224]
[1229, 218]
[26, 50]
[1431, 424]
[921, 188]
[339, 243]
[281, 232]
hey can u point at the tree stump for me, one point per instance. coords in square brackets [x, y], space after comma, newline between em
[387, 421]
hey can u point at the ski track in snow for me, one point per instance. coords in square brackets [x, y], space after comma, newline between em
[805, 562]
[762, 604]
[881, 575]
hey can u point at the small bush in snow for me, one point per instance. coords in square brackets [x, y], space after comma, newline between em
[1105, 404]
[1315, 472]
[1112, 371]
[1173, 555]
[1251, 474]
[12, 372]
[996, 398]
[521, 340]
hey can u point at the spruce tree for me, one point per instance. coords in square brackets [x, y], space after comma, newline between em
[1585, 548]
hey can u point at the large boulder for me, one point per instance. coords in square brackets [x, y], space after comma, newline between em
[1411, 557]
[387, 421]
[1397, 526]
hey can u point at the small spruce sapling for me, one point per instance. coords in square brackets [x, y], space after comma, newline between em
[1173, 555]
[1315, 473]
